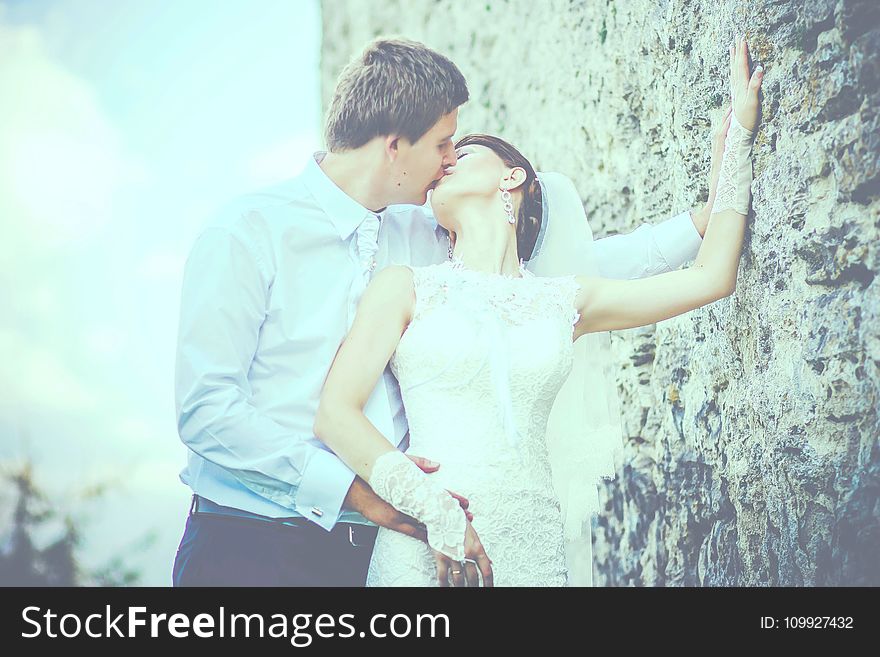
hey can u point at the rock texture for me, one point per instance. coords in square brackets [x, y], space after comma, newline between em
[752, 453]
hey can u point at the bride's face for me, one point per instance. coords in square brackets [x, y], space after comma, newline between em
[477, 175]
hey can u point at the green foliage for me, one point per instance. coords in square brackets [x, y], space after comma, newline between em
[24, 563]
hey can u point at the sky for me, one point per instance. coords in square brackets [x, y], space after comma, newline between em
[123, 125]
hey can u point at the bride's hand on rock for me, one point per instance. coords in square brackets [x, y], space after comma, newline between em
[744, 86]
[466, 573]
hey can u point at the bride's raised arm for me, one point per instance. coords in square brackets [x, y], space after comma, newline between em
[606, 304]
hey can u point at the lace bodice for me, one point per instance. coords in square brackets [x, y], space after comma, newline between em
[479, 367]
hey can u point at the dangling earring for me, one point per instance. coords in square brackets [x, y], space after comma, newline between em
[508, 206]
[449, 238]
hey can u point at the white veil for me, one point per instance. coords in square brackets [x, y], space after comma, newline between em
[584, 435]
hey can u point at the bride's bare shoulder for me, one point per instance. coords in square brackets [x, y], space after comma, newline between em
[587, 286]
[393, 279]
[390, 295]
[589, 289]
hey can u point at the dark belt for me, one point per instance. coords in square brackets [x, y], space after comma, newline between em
[358, 534]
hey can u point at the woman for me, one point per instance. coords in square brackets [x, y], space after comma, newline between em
[481, 347]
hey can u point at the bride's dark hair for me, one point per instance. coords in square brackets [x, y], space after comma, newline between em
[528, 220]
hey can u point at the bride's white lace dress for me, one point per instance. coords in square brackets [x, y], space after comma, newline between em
[479, 367]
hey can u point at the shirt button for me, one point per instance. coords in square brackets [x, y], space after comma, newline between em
[317, 511]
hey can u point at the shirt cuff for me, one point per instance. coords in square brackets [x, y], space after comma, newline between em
[677, 239]
[323, 487]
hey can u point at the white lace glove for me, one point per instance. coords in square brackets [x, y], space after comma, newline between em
[400, 482]
[735, 176]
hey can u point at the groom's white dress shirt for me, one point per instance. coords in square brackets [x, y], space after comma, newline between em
[270, 289]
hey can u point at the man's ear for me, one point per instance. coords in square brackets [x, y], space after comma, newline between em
[392, 147]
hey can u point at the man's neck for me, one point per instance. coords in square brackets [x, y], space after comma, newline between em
[352, 173]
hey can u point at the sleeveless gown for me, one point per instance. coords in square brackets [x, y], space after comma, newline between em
[479, 367]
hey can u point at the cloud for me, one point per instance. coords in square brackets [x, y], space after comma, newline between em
[281, 160]
[123, 126]
[37, 378]
[61, 160]
[62, 166]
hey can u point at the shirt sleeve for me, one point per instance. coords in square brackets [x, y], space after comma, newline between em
[223, 305]
[649, 250]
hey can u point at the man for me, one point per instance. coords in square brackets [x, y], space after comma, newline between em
[269, 292]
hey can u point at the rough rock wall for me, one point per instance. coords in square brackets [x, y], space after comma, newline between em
[752, 424]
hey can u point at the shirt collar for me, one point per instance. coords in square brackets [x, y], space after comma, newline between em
[345, 213]
[439, 231]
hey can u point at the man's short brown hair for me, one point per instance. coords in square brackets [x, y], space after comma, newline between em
[395, 86]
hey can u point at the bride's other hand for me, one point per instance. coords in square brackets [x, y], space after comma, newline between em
[466, 573]
[744, 86]
[427, 466]
[363, 499]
